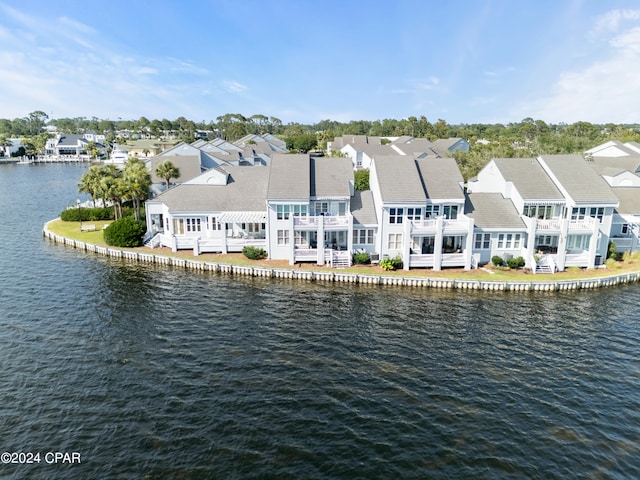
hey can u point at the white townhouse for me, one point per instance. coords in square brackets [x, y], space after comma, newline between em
[222, 210]
[420, 209]
[309, 209]
[619, 165]
[566, 207]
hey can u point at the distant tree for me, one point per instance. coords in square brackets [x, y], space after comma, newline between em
[90, 183]
[361, 179]
[167, 170]
[303, 142]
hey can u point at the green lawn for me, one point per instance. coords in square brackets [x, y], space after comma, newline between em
[72, 230]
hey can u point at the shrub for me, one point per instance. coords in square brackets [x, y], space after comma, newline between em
[391, 263]
[254, 253]
[86, 214]
[125, 232]
[612, 263]
[362, 258]
[497, 261]
[515, 262]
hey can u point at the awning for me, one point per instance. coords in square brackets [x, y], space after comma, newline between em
[243, 217]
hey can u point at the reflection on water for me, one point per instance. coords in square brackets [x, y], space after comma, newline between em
[153, 372]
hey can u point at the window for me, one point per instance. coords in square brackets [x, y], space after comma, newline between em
[578, 242]
[299, 210]
[625, 229]
[482, 241]
[300, 238]
[509, 240]
[283, 237]
[395, 215]
[213, 224]
[395, 241]
[182, 225]
[414, 213]
[578, 213]
[450, 211]
[597, 212]
[322, 208]
[283, 212]
[363, 236]
[342, 209]
[538, 211]
[432, 211]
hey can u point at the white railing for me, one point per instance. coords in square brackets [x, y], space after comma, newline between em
[306, 221]
[577, 259]
[305, 254]
[549, 225]
[458, 225]
[586, 224]
[453, 259]
[421, 260]
[424, 224]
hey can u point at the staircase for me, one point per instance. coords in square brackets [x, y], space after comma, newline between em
[152, 241]
[340, 259]
[545, 265]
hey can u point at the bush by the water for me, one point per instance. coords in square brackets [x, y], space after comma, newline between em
[254, 253]
[86, 214]
[125, 232]
[391, 263]
[515, 262]
[497, 261]
[361, 258]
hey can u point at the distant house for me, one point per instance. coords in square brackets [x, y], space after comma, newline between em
[71, 145]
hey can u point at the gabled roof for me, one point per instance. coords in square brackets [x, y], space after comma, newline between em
[289, 177]
[614, 165]
[493, 211]
[245, 191]
[363, 208]
[399, 179]
[629, 198]
[71, 140]
[580, 181]
[441, 177]
[410, 145]
[189, 166]
[330, 177]
[529, 178]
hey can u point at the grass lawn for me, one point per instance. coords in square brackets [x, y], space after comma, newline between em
[72, 230]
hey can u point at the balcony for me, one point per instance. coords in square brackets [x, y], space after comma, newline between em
[584, 225]
[424, 226]
[313, 223]
[549, 226]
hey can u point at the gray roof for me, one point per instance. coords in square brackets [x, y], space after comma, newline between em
[330, 177]
[246, 191]
[580, 181]
[289, 177]
[399, 179]
[529, 178]
[363, 208]
[615, 165]
[493, 211]
[629, 198]
[189, 166]
[410, 145]
[442, 178]
[373, 149]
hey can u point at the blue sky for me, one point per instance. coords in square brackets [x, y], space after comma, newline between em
[471, 61]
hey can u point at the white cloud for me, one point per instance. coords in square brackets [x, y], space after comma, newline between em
[234, 87]
[610, 21]
[605, 90]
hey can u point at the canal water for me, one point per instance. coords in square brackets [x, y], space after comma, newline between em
[146, 371]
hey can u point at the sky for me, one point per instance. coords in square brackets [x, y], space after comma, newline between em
[303, 61]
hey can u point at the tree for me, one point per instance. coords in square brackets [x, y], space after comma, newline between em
[36, 121]
[361, 179]
[167, 170]
[90, 183]
[303, 143]
[136, 182]
[112, 188]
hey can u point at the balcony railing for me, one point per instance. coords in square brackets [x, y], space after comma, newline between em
[585, 224]
[552, 225]
[314, 222]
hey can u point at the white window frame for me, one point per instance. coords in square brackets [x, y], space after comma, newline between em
[395, 241]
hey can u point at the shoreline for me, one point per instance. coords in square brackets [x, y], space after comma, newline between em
[345, 277]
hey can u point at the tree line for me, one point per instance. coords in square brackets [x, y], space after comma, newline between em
[529, 137]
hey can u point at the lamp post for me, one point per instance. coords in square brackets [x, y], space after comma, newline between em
[79, 212]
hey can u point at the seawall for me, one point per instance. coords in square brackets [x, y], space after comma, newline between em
[344, 277]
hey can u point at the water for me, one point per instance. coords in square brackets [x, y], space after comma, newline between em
[151, 372]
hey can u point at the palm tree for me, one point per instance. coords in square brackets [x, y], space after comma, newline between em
[111, 187]
[167, 170]
[90, 183]
[136, 181]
